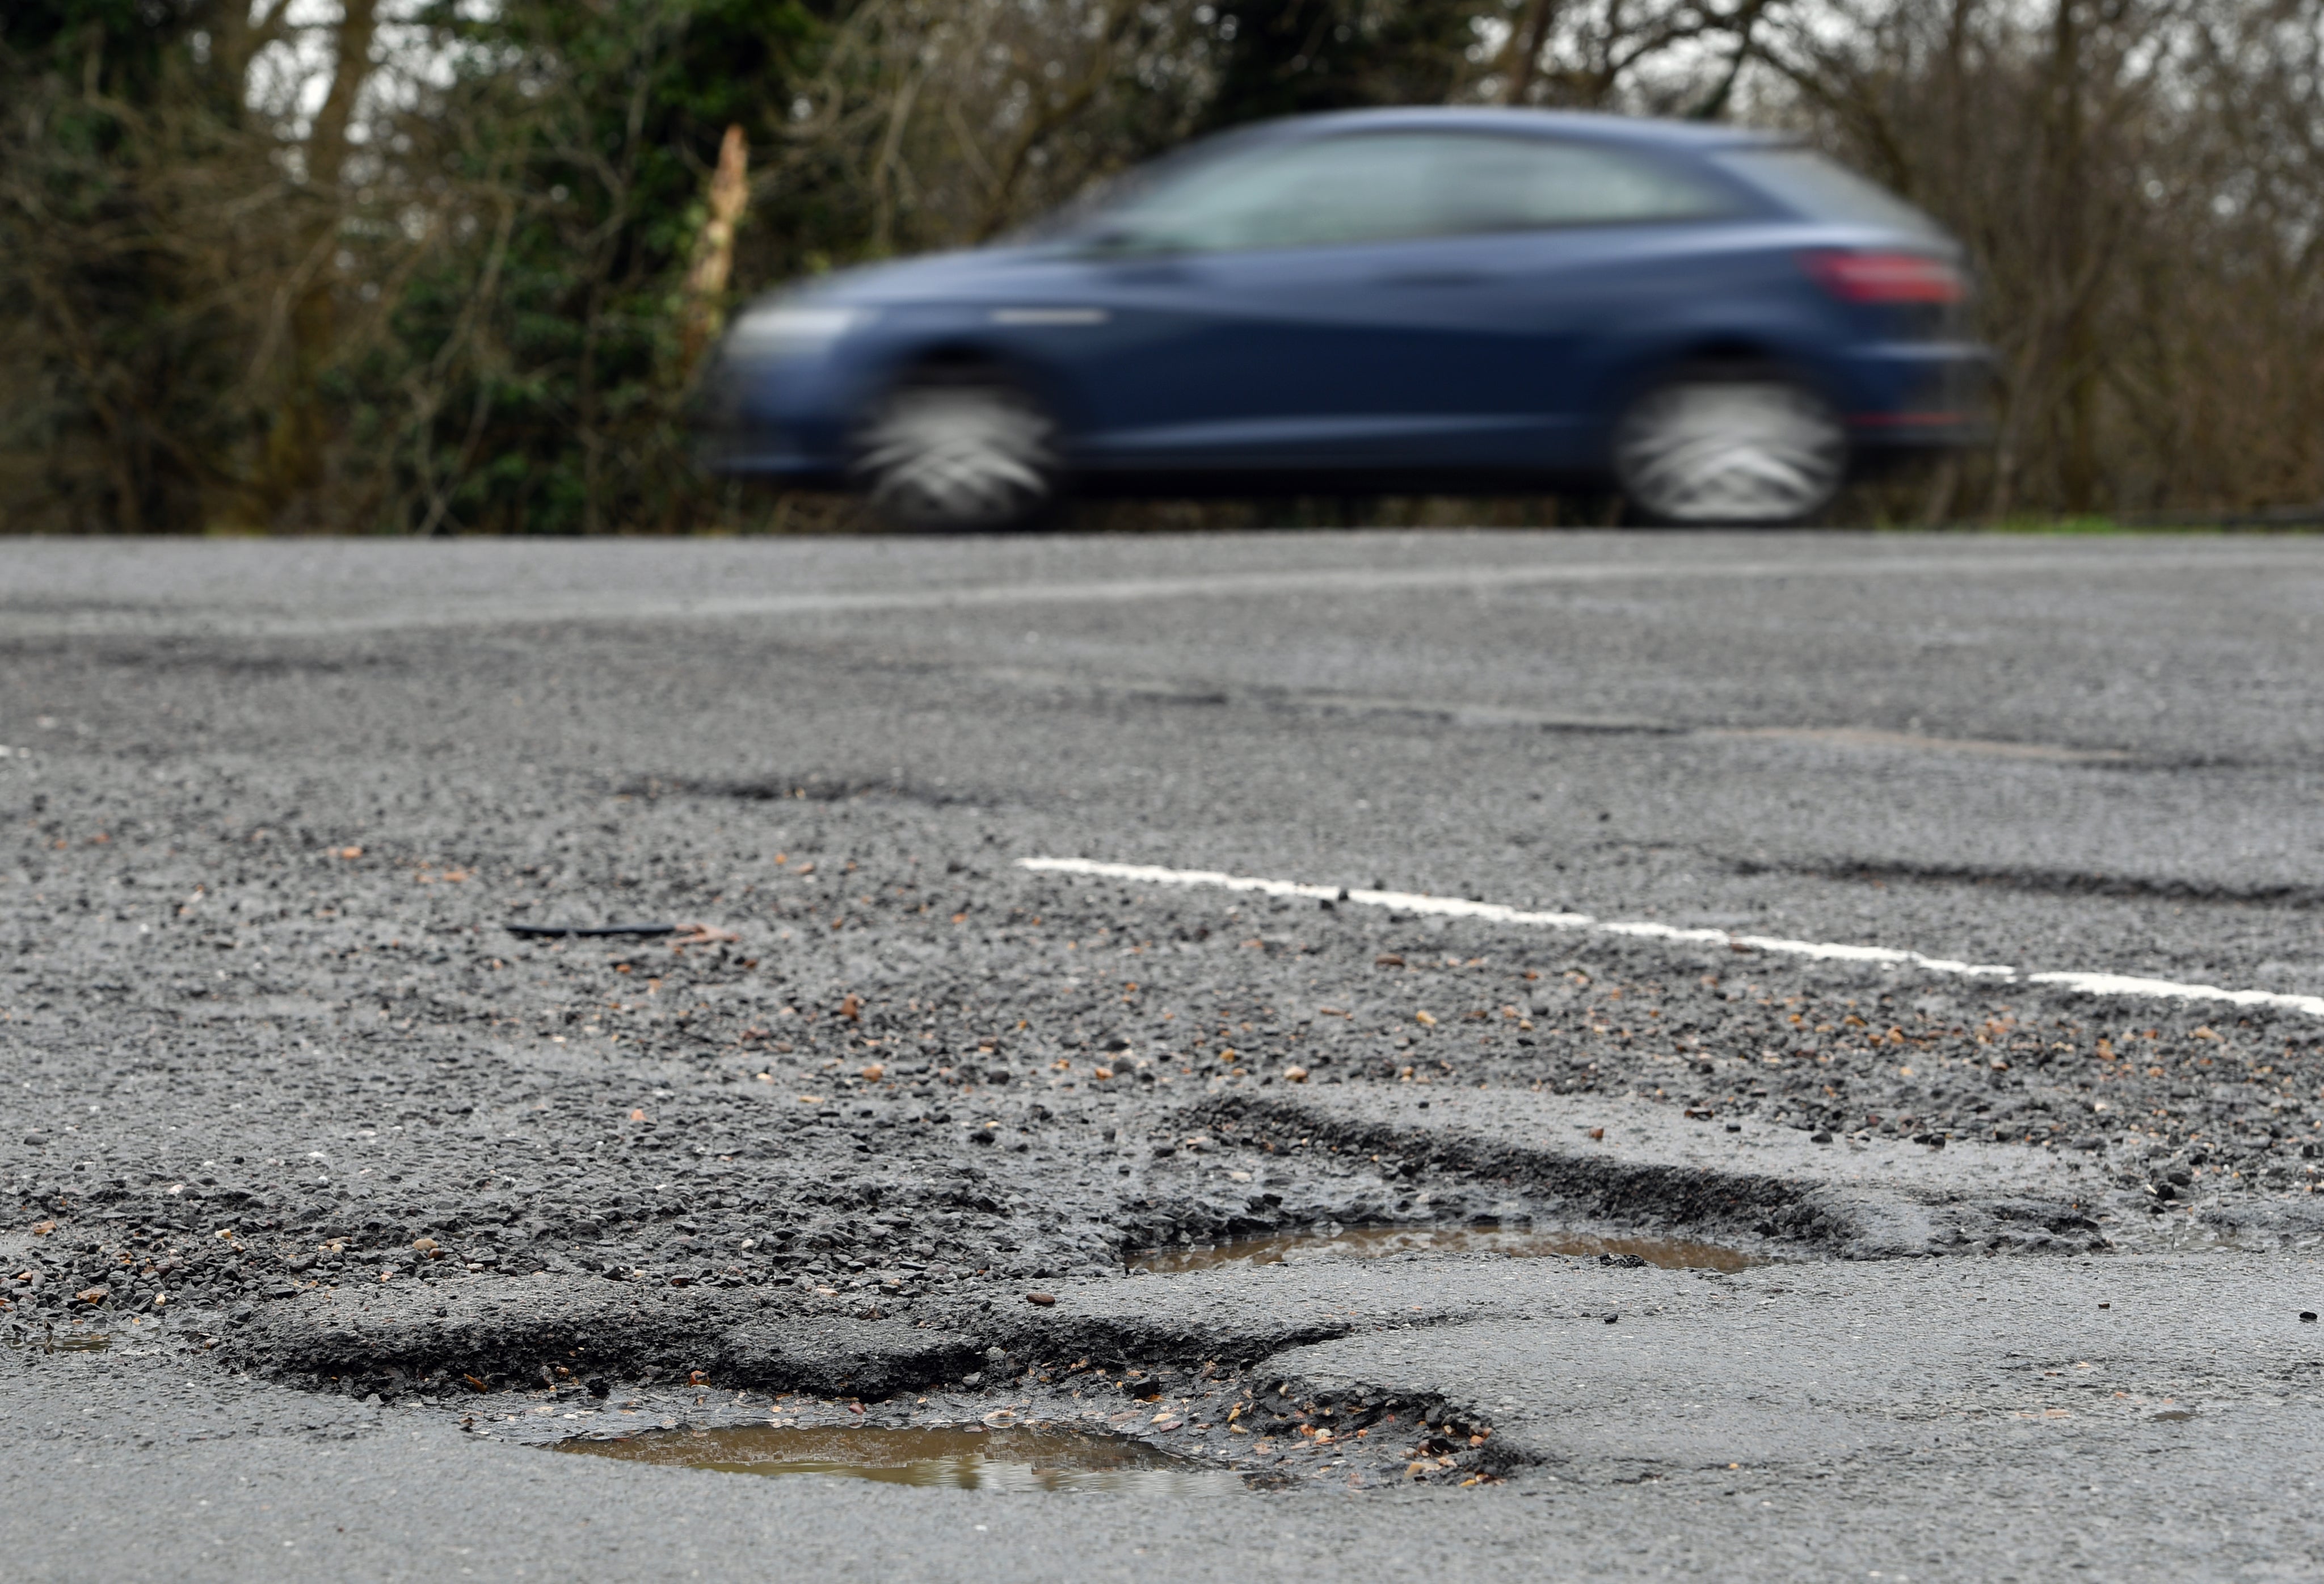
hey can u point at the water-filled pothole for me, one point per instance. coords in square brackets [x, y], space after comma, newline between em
[1026, 1458]
[1375, 1242]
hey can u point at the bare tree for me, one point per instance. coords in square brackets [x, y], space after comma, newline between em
[2126, 177]
[435, 267]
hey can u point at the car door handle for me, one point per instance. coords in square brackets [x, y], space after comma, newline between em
[1437, 278]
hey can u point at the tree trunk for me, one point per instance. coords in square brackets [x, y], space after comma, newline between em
[298, 438]
[1526, 40]
[2074, 374]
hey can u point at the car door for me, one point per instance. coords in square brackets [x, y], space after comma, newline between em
[1373, 300]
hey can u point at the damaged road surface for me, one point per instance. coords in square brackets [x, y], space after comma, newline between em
[1499, 1056]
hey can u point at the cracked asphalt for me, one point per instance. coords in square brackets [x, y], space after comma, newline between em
[370, 1196]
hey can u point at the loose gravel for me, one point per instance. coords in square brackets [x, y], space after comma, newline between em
[262, 1044]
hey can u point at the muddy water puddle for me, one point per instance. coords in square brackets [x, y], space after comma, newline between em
[958, 1457]
[1378, 1242]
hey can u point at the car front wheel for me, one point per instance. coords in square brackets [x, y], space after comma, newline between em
[1731, 448]
[963, 454]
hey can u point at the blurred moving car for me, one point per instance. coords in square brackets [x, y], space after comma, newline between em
[1721, 324]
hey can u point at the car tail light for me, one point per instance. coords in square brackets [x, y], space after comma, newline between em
[1885, 277]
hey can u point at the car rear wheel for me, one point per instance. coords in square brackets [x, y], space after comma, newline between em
[964, 453]
[1742, 447]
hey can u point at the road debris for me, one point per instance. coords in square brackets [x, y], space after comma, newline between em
[541, 929]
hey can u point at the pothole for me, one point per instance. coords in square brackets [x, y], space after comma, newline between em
[956, 1457]
[61, 1341]
[1378, 1242]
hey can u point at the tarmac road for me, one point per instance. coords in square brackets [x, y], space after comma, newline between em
[1933, 917]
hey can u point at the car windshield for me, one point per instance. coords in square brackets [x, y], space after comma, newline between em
[1805, 181]
[1382, 186]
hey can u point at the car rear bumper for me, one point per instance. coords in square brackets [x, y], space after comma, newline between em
[1918, 397]
[1919, 431]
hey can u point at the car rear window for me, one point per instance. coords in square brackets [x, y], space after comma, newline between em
[1805, 181]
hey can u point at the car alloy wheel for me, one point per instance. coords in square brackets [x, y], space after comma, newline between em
[1743, 448]
[962, 454]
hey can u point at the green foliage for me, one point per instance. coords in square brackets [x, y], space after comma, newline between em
[119, 350]
[583, 136]
[127, 39]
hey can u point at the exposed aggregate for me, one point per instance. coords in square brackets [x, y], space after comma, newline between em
[904, 1071]
[266, 1028]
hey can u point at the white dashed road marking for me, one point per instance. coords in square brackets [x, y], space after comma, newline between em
[2088, 983]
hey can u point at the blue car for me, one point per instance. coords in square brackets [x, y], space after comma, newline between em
[1721, 324]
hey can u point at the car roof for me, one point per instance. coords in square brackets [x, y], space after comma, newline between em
[1635, 131]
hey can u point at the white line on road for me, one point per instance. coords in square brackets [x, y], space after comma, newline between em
[2092, 983]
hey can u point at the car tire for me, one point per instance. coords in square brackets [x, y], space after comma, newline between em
[1738, 447]
[959, 453]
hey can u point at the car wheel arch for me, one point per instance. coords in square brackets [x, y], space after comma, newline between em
[957, 443]
[1698, 357]
[957, 360]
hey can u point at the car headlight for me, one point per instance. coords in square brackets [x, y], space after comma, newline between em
[790, 330]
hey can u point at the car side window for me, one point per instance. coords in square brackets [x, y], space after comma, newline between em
[1517, 184]
[1310, 194]
[1379, 187]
